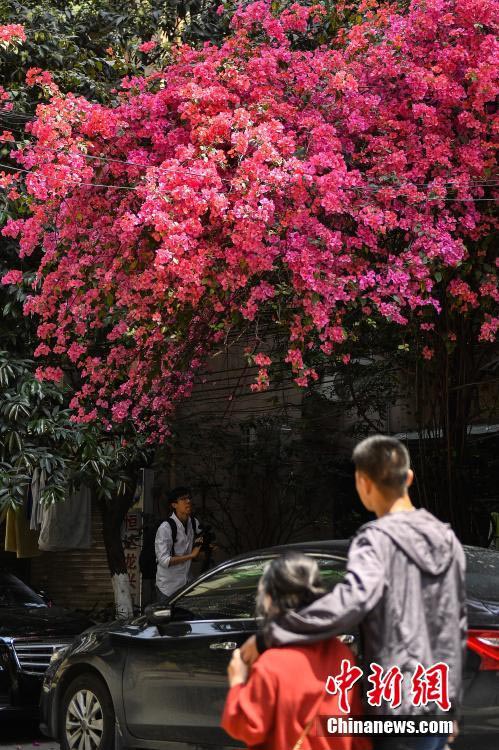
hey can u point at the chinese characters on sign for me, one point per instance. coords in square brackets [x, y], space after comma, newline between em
[427, 685]
[131, 537]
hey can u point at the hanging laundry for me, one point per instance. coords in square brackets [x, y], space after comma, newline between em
[18, 536]
[37, 486]
[67, 524]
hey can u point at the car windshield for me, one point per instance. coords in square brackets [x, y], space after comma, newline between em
[482, 573]
[15, 593]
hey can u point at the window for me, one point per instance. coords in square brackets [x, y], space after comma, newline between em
[332, 571]
[482, 573]
[230, 593]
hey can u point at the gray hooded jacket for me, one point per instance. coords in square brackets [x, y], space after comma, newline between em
[405, 587]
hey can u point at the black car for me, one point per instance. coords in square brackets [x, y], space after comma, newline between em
[160, 681]
[30, 633]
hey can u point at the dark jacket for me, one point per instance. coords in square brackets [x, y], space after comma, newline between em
[405, 587]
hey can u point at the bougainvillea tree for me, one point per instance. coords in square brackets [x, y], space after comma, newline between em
[264, 181]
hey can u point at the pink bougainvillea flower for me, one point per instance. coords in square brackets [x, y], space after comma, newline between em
[257, 183]
[12, 277]
[147, 47]
[12, 33]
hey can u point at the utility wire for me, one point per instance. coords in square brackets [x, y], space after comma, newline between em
[185, 170]
[373, 186]
[126, 187]
[66, 182]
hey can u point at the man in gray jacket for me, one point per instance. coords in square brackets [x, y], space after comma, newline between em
[404, 587]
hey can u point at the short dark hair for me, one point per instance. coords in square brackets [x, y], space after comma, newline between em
[177, 493]
[385, 460]
[292, 581]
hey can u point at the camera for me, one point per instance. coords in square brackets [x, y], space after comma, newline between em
[208, 540]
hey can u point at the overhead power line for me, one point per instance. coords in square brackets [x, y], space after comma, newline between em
[186, 170]
[136, 188]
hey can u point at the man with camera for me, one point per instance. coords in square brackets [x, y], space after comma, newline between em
[178, 543]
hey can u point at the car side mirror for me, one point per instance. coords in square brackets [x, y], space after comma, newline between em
[158, 614]
[46, 598]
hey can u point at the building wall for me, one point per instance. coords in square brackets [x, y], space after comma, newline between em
[78, 579]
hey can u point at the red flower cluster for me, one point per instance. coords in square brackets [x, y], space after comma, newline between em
[12, 33]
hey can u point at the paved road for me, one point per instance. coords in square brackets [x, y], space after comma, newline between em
[22, 735]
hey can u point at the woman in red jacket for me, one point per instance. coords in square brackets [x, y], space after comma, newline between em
[276, 706]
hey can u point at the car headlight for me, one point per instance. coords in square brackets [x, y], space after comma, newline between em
[58, 654]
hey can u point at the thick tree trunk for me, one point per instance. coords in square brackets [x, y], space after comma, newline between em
[113, 515]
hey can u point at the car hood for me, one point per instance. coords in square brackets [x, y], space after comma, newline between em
[18, 622]
[483, 613]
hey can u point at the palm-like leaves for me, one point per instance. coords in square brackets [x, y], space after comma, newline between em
[36, 431]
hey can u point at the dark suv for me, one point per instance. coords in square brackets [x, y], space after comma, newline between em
[30, 633]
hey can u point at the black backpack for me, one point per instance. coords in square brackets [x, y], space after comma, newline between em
[147, 557]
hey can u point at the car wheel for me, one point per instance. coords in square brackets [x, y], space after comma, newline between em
[87, 715]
